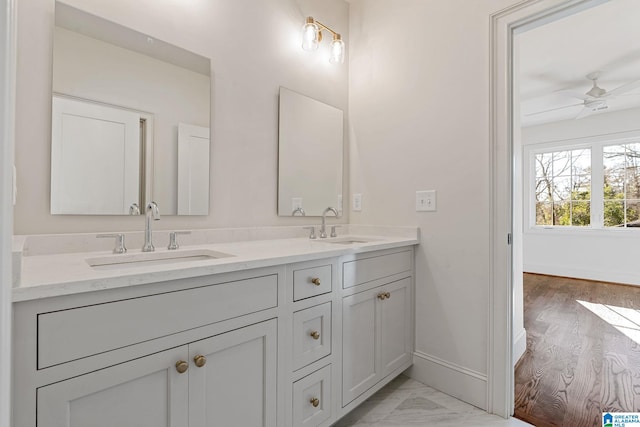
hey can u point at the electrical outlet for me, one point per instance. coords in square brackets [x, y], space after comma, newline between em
[426, 201]
[357, 202]
[340, 203]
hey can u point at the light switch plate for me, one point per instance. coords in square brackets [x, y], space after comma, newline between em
[426, 201]
[296, 203]
[357, 202]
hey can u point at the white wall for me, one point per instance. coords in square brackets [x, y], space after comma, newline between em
[254, 47]
[419, 97]
[607, 255]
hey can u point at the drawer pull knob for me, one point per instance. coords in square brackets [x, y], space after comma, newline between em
[316, 281]
[182, 366]
[387, 295]
[200, 360]
[315, 402]
[315, 335]
[382, 296]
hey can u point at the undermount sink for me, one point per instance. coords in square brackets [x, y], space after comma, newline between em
[144, 259]
[348, 240]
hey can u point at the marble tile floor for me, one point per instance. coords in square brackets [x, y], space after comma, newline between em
[405, 402]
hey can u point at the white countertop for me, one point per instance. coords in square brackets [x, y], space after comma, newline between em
[50, 275]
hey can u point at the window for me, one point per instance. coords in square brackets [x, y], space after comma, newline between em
[621, 185]
[595, 185]
[563, 188]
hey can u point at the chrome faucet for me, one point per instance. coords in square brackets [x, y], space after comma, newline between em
[151, 212]
[323, 230]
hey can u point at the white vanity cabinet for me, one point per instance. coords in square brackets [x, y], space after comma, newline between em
[194, 352]
[376, 322]
[287, 345]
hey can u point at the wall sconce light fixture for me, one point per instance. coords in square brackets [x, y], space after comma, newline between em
[312, 36]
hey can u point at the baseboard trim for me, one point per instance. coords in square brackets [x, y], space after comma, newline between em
[462, 383]
[624, 278]
[519, 345]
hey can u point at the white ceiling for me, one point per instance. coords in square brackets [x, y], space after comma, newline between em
[556, 57]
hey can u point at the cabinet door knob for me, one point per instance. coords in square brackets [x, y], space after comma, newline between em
[315, 335]
[316, 281]
[382, 296]
[200, 360]
[182, 366]
[315, 402]
[387, 295]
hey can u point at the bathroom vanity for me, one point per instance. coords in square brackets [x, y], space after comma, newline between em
[279, 332]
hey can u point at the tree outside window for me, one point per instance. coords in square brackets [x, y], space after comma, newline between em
[621, 185]
[563, 188]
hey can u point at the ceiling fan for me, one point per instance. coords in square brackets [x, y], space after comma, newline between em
[595, 99]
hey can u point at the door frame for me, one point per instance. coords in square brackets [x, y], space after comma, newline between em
[7, 112]
[503, 26]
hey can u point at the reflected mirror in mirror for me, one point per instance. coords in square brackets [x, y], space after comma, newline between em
[309, 155]
[130, 121]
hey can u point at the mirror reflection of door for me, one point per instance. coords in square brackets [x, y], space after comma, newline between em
[95, 158]
[104, 62]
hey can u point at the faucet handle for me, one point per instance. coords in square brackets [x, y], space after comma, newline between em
[333, 230]
[134, 209]
[119, 248]
[312, 234]
[173, 241]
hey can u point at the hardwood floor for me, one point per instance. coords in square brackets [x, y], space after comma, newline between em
[583, 352]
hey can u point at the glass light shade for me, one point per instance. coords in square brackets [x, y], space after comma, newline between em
[310, 33]
[337, 51]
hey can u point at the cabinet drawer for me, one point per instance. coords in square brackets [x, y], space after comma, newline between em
[312, 398]
[72, 334]
[367, 269]
[311, 334]
[309, 282]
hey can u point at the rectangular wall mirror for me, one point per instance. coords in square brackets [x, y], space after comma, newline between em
[130, 121]
[309, 155]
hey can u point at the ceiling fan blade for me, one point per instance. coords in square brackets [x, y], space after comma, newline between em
[584, 113]
[627, 87]
[573, 94]
[553, 109]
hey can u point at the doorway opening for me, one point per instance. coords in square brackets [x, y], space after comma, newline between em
[575, 150]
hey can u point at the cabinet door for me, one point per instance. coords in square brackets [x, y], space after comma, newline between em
[360, 369]
[394, 317]
[237, 384]
[376, 336]
[146, 392]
